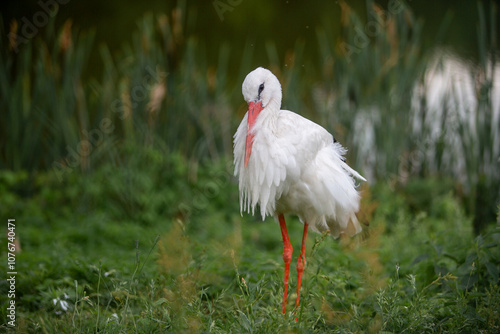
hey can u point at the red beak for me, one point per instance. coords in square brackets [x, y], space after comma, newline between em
[254, 110]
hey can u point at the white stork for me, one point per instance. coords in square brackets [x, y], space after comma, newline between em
[289, 164]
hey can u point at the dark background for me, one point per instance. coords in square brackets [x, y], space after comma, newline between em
[282, 22]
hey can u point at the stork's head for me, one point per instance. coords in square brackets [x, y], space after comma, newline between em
[261, 89]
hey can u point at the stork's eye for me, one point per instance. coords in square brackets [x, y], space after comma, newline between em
[261, 88]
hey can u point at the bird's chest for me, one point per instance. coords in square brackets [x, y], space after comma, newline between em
[273, 162]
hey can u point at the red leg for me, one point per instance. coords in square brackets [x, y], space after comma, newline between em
[300, 265]
[287, 256]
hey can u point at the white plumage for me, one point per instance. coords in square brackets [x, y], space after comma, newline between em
[294, 165]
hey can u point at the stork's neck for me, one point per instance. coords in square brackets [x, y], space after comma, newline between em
[270, 112]
[274, 105]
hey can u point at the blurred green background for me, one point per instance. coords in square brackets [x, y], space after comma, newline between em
[116, 146]
[282, 22]
[411, 90]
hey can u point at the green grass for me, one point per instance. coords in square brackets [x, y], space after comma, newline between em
[154, 268]
[127, 211]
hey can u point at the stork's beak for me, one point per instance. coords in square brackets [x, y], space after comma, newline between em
[254, 109]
